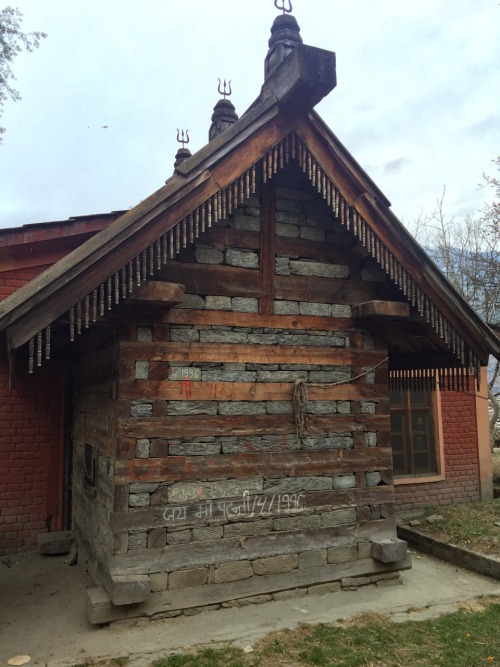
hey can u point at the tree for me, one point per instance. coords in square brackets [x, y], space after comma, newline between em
[12, 42]
[468, 253]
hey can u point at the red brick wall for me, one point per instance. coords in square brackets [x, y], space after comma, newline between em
[460, 458]
[31, 425]
[10, 281]
[30, 458]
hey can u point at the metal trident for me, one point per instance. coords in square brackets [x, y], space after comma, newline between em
[226, 90]
[282, 6]
[183, 139]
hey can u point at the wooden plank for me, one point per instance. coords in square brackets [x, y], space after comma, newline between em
[328, 290]
[321, 252]
[181, 316]
[217, 280]
[156, 293]
[232, 238]
[378, 309]
[203, 426]
[257, 354]
[246, 391]
[267, 247]
[253, 464]
[146, 518]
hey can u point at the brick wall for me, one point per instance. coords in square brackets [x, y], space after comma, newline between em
[461, 462]
[30, 446]
[10, 281]
[30, 458]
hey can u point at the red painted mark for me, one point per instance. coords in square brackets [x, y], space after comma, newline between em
[186, 387]
[199, 490]
[248, 445]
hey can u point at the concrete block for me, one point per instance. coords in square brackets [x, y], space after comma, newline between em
[276, 564]
[241, 408]
[139, 500]
[142, 449]
[209, 255]
[143, 488]
[137, 540]
[234, 571]
[298, 523]
[144, 334]
[141, 370]
[390, 550]
[286, 307]
[243, 305]
[338, 517]
[218, 303]
[318, 269]
[159, 582]
[55, 544]
[184, 335]
[313, 234]
[319, 309]
[242, 259]
[224, 337]
[128, 589]
[181, 492]
[341, 311]
[192, 301]
[308, 559]
[157, 538]
[207, 534]
[192, 408]
[298, 484]
[344, 554]
[188, 578]
[179, 537]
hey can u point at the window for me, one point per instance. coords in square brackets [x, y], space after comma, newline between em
[413, 437]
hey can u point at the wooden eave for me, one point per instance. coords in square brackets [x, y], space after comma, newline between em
[281, 117]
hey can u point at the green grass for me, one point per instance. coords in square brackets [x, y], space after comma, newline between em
[470, 525]
[463, 639]
[225, 657]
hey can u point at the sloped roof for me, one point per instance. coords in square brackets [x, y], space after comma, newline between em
[280, 126]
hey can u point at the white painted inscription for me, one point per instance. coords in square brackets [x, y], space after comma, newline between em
[247, 507]
[183, 374]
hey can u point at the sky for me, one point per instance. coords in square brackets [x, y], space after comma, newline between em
[417, 99]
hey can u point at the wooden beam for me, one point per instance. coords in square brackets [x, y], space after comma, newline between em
[376, 309]
[244, 426]
[267, 247]
[229, 318]
[246, 391]
[146, 518]
[257, 354]
[253, 464]
[156, 293]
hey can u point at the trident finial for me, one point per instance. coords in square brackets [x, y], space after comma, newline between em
[283, 6]
[183, 139]
[226, 89]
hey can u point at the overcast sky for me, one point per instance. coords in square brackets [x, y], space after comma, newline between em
[417, 100]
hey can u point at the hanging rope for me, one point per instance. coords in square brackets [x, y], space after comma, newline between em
[300, 401]
[301, 397]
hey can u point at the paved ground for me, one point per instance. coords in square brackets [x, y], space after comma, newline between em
[42, 613]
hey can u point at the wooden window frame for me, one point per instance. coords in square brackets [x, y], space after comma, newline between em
[438, 476]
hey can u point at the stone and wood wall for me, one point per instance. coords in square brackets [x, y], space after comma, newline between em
[252, 453]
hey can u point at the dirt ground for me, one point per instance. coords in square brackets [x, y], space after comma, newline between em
[42, 613]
